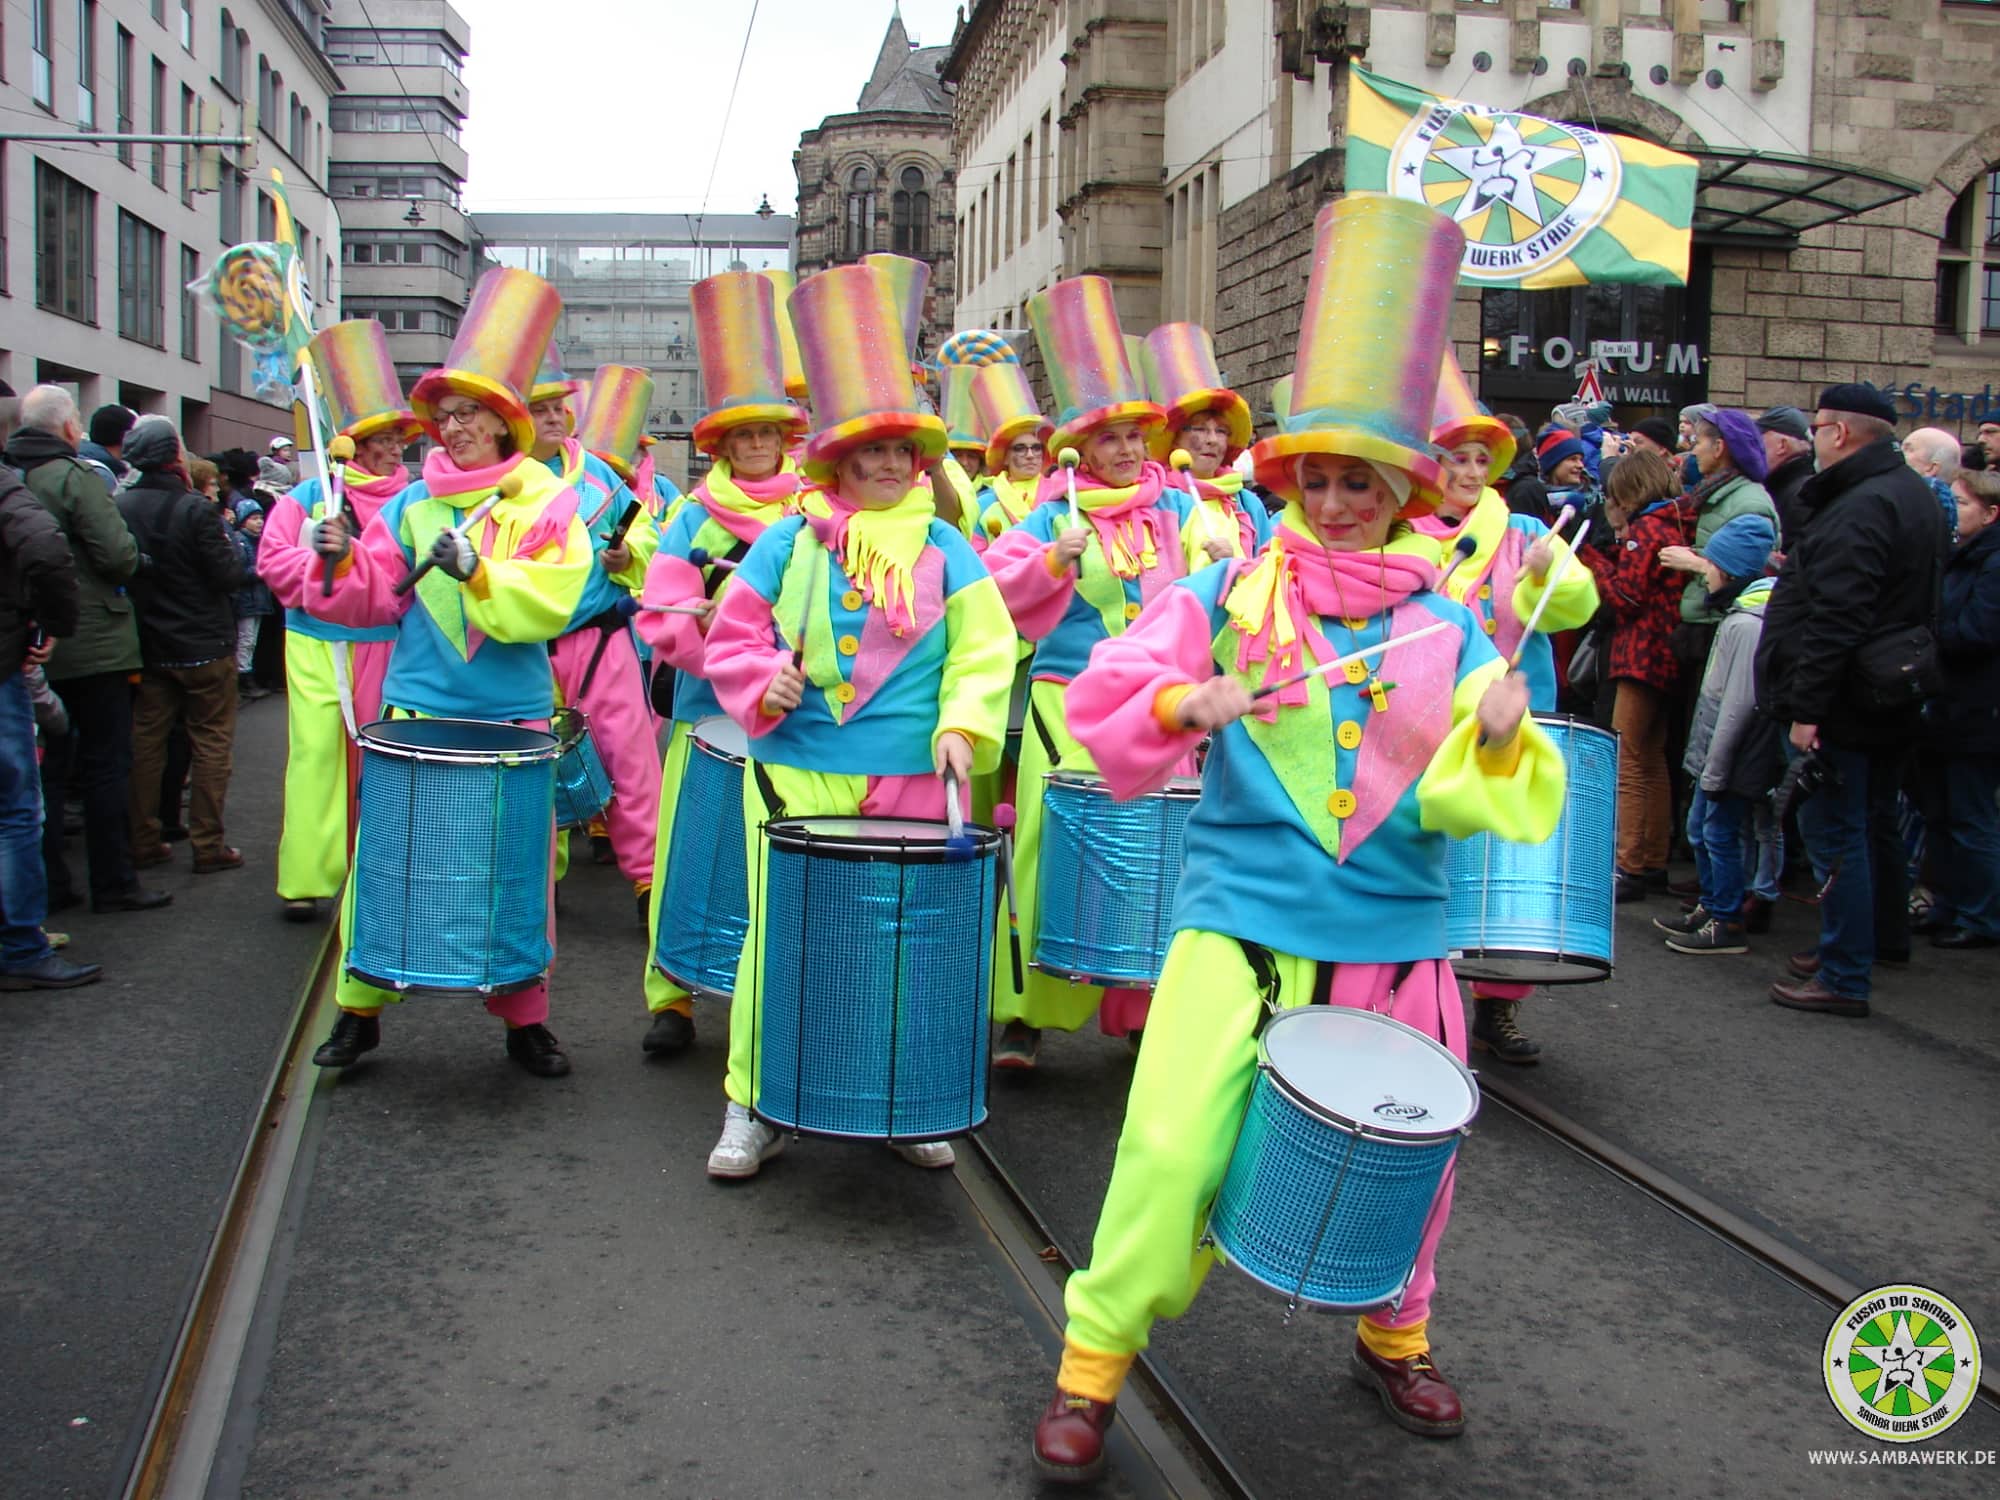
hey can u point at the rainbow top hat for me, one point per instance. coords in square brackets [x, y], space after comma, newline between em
[742, 358]
[1006, 406]
[1281, 401]
[357, 380]
[782, 283]
[499, 346]
[1457, 418]
[850, 338]
[1083, 350]
[614, 418]
[1178, 360]
[961, 417]
[552, 380]
[1376, 323]
[907, 279]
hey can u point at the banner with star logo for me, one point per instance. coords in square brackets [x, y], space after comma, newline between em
[1542, 204]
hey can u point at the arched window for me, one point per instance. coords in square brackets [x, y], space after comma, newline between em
[1968, 264]
[859, 238]
[910, 214]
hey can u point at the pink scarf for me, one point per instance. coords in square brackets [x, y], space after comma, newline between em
[1127, 531]
[443, 477]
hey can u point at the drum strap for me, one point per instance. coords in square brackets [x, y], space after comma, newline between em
[774, 805]
[1042, 732]
[719, 576]
[1264, 969]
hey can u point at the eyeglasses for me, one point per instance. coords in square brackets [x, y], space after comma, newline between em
[458, 416]
[1822, 426]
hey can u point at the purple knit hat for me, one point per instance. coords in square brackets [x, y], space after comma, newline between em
[1744, 442]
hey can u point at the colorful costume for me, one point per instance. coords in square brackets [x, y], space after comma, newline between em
[1140, 541]
[1315, 858]
[1004, 408]
[1181, 375]
[333, 673]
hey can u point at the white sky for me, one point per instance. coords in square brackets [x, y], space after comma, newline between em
[617, 105]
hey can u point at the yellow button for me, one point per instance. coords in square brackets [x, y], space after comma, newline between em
[1357, 671]
[1352, 623]
[1348, 735]
[1341, 803]
[851, 599]
[1131, 611]
[1491, 627]
[843, 693]
[1486, 591]
[849, 645]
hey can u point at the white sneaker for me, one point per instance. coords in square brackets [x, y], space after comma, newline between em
[925, 1153]
[746, 1144]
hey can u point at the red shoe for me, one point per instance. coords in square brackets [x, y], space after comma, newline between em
[1805, 964]
[1416, 1397]
[228, 859]
[1069, 1439]
[1816, 994]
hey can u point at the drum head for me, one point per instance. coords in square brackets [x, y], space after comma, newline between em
[1367, 1072]
[457, 740]
[906, 839]
[724, 736]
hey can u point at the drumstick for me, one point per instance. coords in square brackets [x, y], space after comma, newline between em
[1548, 590]
[628, 607]
[1003, 818]
[1324, 668]
[624, 525]
[1069, 458]
[701, 557]
[338, 452]
[956, 844]
[1467, 545]
[509, 488]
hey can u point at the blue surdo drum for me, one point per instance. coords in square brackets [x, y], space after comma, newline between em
[878, 941]
[1542, 913]
[583, 786]
[1352, 1121]
[1107, 877]
[705, 892]
[451, 856]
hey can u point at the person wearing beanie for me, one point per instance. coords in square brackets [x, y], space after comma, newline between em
[187, 636]
[105, 447]
[1734, 756]
[1291, 895]
[880, 686]
[1788, 462]
[1656, 433]
[1729, 452]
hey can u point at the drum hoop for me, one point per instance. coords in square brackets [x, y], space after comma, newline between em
[714, 751]
[445, 755]
[571, 727]
[1180, 789]
[1329, 1116]
[795, 837]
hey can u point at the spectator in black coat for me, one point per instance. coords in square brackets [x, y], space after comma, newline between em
[187, 635]
[1864, 568]
[1964, 724]
[1788, 459]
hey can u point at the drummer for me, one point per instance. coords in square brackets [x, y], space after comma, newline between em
[1429, 740]
[1068, 588]
[1211, 424]
[1017, 447]
[471, 637]
[333, 674]
[837, 729]
[1514, 557]
[751, 485]
[595, 661]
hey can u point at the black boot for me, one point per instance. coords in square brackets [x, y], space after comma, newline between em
[353, 1034]
[671, 1031]
[536, 1049]
[1494, 1031]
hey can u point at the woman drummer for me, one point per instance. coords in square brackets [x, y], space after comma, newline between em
[1340, 793]
[1070, 584]
[1211, 424]
[333, 673]
[751, 485]
[861, 645]
[471, 636]
[1017, 447]
[1514, 561]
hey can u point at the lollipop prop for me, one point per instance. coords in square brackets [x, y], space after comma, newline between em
[509, 488]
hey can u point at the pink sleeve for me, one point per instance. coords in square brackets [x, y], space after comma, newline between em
[364, 591]
[1018, 561]
[676, 638]
[290, 570]
[1111, 704]
[742, 658]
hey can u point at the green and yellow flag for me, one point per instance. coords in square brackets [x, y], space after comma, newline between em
[1542, 204]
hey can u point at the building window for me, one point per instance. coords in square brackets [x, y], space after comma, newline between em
[42, 46]
[187, 27]
[121, 87]
[86, 64]
[295, 129]
[190, 304]
[263, 87]
[65, 245]
[156, 121]
[230, 55]
[1048, 172]
[230, 209]
[860, 214]
[190, 116]
[910, 215]
[1968, 263]
[1197, 32]
[141, 277]
[267, 217]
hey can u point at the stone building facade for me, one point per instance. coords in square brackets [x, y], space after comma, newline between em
[881, 177]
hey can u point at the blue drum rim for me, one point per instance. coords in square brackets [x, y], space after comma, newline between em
[544, 746]
[797, 1131]
[1340, 1122]
[1179, 789]
[404, 987]
[794, 836]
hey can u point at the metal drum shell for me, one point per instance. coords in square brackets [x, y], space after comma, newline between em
[705, 889]
[583, 785]
[1543, 913]
[448, 901]
[1105, 906]
[872, 1022]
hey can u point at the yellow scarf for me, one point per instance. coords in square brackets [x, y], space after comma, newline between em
[878, 549]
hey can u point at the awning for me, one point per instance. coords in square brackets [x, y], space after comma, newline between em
[1765, 198]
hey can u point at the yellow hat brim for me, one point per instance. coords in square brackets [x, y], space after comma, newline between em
[488, 392]
[1071, 434]
[1225, 403]
[1274, 457]
[824, 450]
[1009, 431]
[718, 424]
[1494, 433]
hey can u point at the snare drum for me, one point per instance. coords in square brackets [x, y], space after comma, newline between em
[583, 786]
[1542, 913]
[451, 856]
[705, 900]
[1106, 879]
[1352, 1121]
[878, 941]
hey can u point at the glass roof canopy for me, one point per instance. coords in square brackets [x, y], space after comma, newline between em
[1762, 197]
